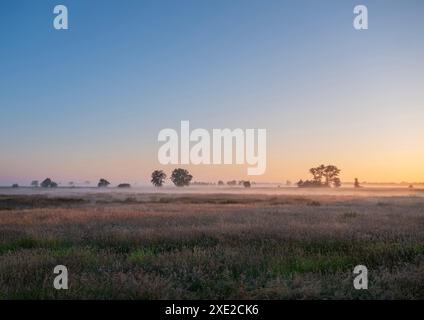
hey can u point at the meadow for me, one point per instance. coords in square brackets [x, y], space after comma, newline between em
[231, 245]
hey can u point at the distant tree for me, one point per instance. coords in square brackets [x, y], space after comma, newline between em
[246, 184]
[124, 185]
[103, 183]
[309, 184]
[323, 176]
[48, 183]
[232, 183]
[317, 173]
[34, 183]
[336, 182]
[330, 174]
[181, 177]
[356, 183]
[71, 184]
[158, 178]
[220, 183]
[15, 185]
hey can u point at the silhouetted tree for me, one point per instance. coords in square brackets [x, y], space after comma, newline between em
[356, 183]
[103, 183]
[158, 178]
[232, 183]
[328, 173]
[317, 173]
[246, 184]
[181, 177]
[48, 183]
[15, 185]
[220, 183]
[34, 183]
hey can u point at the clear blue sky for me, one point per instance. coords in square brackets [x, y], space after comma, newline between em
[89, 102]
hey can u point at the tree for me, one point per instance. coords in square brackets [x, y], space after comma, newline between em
[327, 173]
[34, 183]
[158, 178]
[246, 184]
[220, 183]
[232, 183]
[103, 183]
[356, 184]
[330, 174]
[48, 183]
[15, 185]
[317, 173]
[337, 183]
[181, 177]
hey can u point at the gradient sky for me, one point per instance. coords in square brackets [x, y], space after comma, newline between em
[89, 102]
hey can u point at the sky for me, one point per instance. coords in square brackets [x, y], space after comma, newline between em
[88, 102]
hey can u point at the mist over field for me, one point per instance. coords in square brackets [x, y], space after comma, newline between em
[260, 188]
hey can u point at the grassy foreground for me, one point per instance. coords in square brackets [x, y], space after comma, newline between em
[211, 247]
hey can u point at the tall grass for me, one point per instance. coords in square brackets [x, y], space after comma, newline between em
[213, 247]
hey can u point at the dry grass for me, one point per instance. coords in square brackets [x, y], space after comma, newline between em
[211, 246]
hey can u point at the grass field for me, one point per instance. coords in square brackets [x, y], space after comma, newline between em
[211, 246]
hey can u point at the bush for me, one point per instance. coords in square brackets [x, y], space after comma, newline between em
[124, 185]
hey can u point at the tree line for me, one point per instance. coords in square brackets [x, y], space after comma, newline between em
[326, 176]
